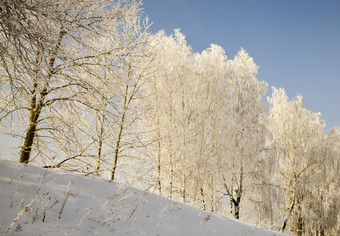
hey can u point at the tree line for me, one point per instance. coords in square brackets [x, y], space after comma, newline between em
[86, 86]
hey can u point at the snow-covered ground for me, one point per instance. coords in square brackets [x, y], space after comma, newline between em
[37, 201]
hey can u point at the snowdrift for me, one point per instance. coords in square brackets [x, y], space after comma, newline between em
[37, 201]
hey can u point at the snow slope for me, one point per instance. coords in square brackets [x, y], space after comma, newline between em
[63, 203]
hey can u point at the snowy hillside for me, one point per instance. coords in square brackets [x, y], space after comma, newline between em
[63, 203]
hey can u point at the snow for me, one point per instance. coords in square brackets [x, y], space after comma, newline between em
[65, 203]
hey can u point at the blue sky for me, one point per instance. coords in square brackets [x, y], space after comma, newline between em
[296, 43]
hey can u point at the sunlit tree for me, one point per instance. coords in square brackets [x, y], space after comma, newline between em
[46, 49]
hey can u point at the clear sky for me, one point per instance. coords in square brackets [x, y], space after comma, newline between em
[296, 43]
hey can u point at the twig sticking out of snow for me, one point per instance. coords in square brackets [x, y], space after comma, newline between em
[205, 219]
[41, 183]
[82, 218]
[13, 196]
[20, 214]
[28, 206]
[44, 200]
[52, 205]
[133, 211]
[67, 193]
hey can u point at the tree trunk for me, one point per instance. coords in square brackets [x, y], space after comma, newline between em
[237, 211]
[32, 126]
[29, 138]
[284, 225]
[100, 143]
[234, 203]
[239, 192]
[184, 188]
[203, 202]
[159, 186]
[231, 205]
[237, 207]
[211, 194]
[27, 147]
[170, 166]
[300, 222]
[116, 152]
[171, 176]
[120, 132]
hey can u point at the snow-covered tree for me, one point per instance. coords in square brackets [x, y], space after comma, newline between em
[209, 143]
[47, 48]
[245, 127]
[169, 109]
[305, 168]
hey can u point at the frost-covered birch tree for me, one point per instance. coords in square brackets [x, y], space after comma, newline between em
[210, 69]
[306, 167]
[170, 90]
[131, 75]
[245, 126]
[46, 47]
